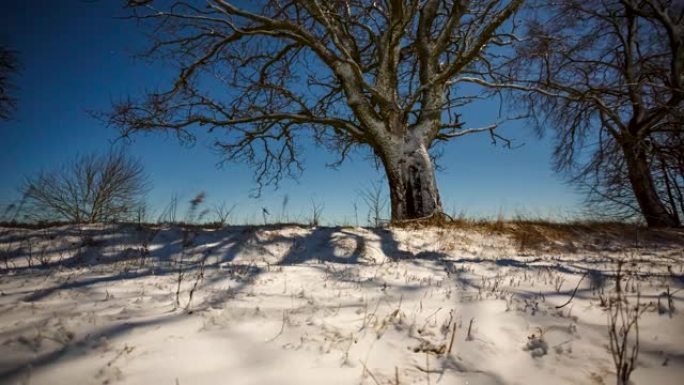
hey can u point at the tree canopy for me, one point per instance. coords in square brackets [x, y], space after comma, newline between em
[384, 75]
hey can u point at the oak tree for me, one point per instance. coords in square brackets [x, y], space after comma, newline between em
[380, 74]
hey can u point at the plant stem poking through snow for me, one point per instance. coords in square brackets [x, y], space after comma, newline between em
[453, 334]
[573, 293]
[282, 328]
[469, 337]
[366, 370]
[623, 325]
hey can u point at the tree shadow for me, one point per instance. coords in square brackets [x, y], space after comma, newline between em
[79, 348]
[219, 254]
[325, 241]
[242, 254]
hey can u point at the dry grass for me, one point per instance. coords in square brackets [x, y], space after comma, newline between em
[537, 234]
[525, 233]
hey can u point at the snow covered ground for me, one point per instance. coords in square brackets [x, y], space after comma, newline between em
[296, 305]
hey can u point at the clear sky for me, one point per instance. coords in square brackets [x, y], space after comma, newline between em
[77, 56]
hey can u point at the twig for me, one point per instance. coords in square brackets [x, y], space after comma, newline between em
[365, 369]
[453, 334]
[282, 328]
[573, 292]
[180, 281]
[470, 326]
[199, 278]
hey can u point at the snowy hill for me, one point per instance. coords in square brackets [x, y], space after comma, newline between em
[297, 305]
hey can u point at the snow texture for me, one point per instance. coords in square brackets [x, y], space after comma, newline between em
[296, 305]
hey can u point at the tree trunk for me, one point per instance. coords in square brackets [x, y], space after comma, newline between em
[412, 184]
[652, 208]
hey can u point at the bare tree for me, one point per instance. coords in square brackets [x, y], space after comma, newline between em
[382, 75]
[376, 199]
[316, 213]
[91, 189]
[8, 67]
[222, 213]
[609, 77]
[668, 168]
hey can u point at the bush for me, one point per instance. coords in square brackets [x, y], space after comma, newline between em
[93, 188]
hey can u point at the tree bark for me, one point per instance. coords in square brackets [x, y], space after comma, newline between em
[652, 207]
[412, 183]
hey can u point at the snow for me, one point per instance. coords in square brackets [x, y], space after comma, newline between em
[297, 305]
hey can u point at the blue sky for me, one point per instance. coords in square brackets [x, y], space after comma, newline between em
[78, 57]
